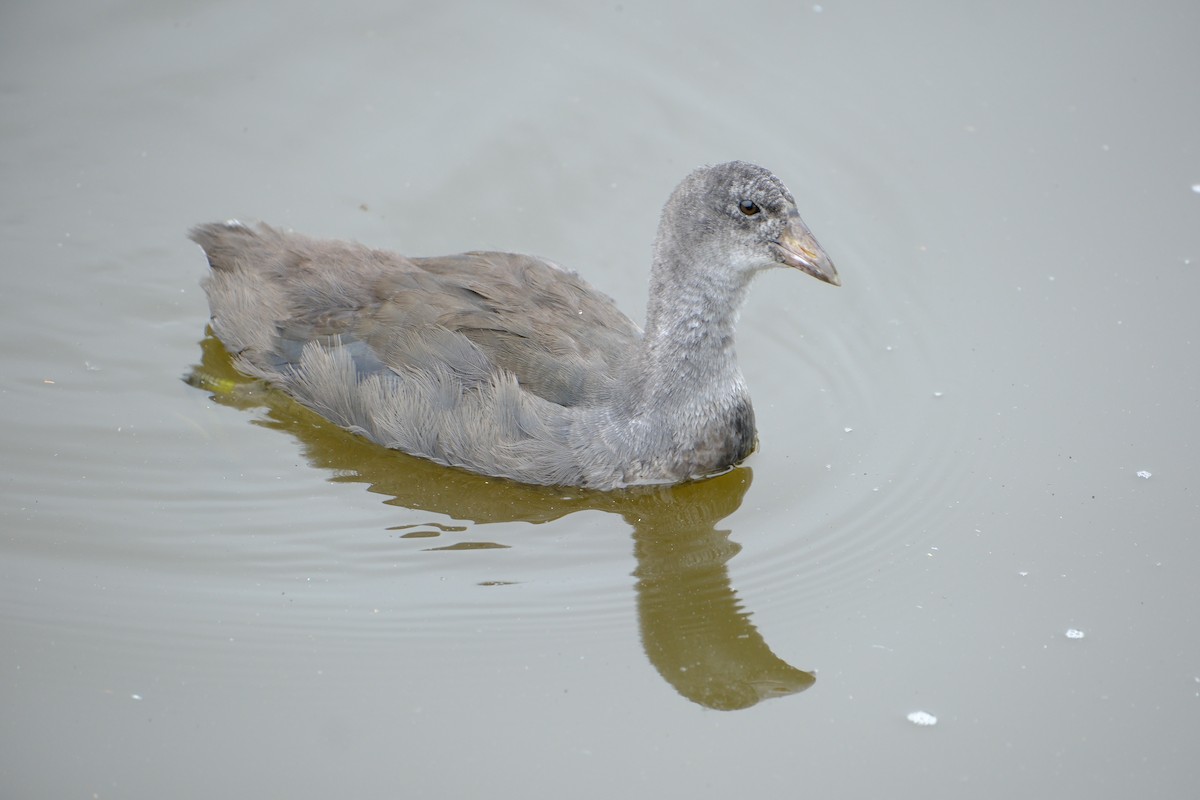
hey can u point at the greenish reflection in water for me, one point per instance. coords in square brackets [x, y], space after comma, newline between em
[693, 628]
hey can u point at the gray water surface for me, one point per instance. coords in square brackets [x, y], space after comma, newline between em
[986, 439]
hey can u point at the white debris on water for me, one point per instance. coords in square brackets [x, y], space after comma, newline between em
[1142, 473]
[1074, 633]
[922, 718]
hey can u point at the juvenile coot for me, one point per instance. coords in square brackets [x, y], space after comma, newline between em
[507, 364]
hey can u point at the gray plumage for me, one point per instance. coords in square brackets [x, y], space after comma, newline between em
[508, 365]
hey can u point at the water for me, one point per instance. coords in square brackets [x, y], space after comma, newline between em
[209, 592]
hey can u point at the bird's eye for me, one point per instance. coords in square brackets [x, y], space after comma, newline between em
[748, 207]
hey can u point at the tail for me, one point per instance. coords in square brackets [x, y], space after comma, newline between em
[232, 243]
[245, 296]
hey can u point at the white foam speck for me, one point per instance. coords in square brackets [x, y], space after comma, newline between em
[922, 718]
[1074, 633]
[1143, 473]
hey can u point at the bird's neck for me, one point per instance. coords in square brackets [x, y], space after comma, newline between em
[688, 358]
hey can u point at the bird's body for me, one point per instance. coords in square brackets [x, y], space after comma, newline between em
[506, 364]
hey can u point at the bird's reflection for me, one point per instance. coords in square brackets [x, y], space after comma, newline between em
[693, 629]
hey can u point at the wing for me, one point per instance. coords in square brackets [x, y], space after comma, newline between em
[272, 293]
[563, 340]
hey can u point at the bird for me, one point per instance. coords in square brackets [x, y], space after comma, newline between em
[509, 365]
